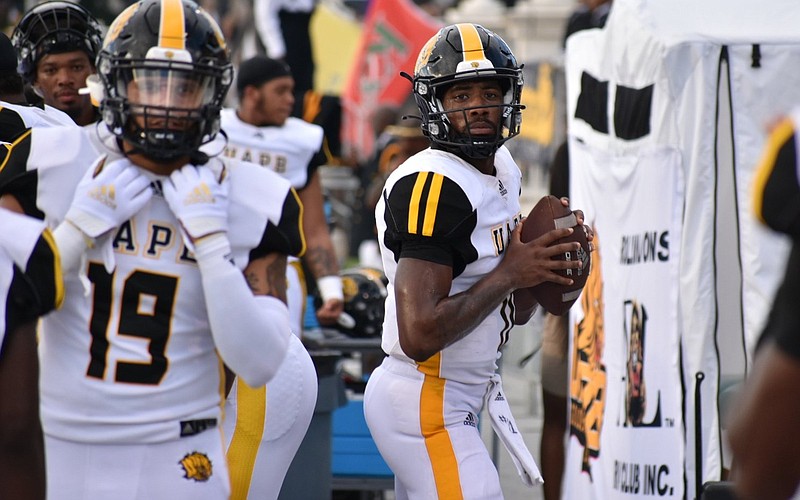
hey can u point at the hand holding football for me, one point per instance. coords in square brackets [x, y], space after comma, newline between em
[548, 214]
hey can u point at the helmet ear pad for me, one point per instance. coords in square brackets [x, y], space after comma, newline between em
[97, 91]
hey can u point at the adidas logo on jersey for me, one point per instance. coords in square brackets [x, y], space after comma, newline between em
[471, 420]
[503, 190]
[200, 194]
[105, 194]
[499, 397]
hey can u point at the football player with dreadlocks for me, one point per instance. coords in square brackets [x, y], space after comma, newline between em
[174, 266]
[449, 225]
[56, 44]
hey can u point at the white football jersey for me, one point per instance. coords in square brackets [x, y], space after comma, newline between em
[133, 360]
[30, 275]
[287, 150]
[439, 208]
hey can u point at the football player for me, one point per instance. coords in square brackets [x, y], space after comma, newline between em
[174, 262]
[30, 286]
[763, 427]
[261, 131]
[57, 43]
[16, 114]
[449, 231]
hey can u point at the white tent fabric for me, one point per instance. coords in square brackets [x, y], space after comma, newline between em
[694, 86]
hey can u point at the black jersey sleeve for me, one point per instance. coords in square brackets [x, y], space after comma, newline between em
[776, 187]
[37, 289]
[286, 236]
[22, 303]
[783, 323]
[319, 159]
[11, 125]
[44, 271]
[428, 216]
[15, 178]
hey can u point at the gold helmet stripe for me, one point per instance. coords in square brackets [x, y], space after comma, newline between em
[171, 30]
[471, 45]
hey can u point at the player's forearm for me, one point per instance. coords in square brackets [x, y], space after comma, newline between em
[466, 310]
[424, 331]
[253, 340]
[320, 258]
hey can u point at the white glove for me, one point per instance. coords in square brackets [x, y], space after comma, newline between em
[108, 195]
[199, 201]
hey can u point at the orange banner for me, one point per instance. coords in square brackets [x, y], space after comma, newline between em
[394, 32]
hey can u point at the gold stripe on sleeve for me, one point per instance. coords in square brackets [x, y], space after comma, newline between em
[300, 222]
[58, 277]
[10, 148]
[416, 199]
[432, 204]
[777, 138]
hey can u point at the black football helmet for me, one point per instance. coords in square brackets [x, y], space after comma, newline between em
[163, 71]
[464, 52]
[364, 296]
[52, 28]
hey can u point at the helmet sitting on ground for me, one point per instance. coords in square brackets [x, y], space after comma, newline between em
[364, 296]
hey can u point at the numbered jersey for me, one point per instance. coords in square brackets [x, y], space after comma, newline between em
[292, 150]
[437, 207]
[30, 276]
[133, 360]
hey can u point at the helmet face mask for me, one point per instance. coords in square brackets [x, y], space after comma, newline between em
[53, 28]
[460, 53]
[161, 96]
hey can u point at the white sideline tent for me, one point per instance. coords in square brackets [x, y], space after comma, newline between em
[668, 109]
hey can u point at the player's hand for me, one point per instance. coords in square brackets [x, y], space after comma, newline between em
[329, 312]
[332, 295]
[109, 194]
[579, 216]
[199, 200]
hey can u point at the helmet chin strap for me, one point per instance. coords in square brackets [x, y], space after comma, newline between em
[196, 157]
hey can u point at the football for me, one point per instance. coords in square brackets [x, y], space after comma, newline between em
[546, 215]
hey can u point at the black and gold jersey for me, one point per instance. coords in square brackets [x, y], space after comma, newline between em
[439, 208]
[776, 187]
[31, 283]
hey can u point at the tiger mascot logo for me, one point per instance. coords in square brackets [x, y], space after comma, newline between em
[196, 466]
[588, 376]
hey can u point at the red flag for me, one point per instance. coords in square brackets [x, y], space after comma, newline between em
[394, 33]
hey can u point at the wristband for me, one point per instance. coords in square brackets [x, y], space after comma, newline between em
[330, 287]
[87, 240]
[211, 246]
[72, 244]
